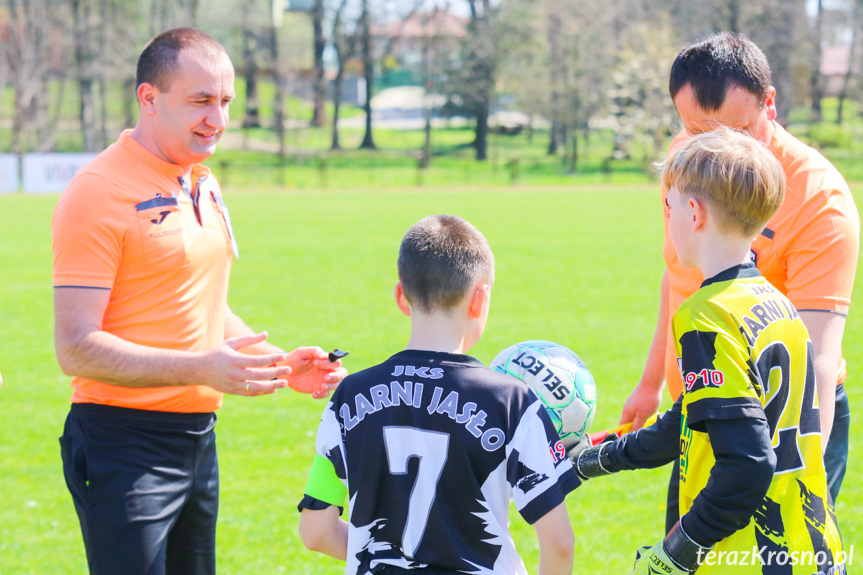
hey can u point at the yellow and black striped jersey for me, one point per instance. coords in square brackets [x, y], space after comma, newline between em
[744, 352]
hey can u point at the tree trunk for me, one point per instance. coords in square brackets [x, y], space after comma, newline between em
[18, 119]
[429, 67]
[586, 137]
[342, 55]
[58, 102]
[368, 74]
[427, 142]
[158, 17]
[843, 92]
[130, 101]
[553, 33]
[103, 108]
[337, 102]
[319, 115]
[104, 15]
[734, 16]
[481, 139]
[252, 116]
[481, 57]
[483, 111]
[573, 153]
[279, 96]
[18, 48]
[84, 56]
[481, 68]
[553, 135]
[562, 131]
[815, 85]
[193, 13]
[87, 113]
[780, 49]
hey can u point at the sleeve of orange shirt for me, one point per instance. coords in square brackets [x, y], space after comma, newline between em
[822, 258]
[88, 234]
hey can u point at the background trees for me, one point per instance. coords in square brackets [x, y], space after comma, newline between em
[565, 69]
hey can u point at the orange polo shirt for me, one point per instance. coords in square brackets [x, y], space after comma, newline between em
[808, 250]
[124, 224]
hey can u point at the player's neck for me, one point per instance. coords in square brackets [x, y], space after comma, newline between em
[146, 139]
[439, 332]
[723, 252]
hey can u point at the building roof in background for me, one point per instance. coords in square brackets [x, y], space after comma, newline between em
[425, 25]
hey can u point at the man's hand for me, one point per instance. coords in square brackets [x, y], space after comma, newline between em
[313, 372]
[228, 370]
[641, 404]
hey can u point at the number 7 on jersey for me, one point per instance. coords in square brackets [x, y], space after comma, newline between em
[431, 447]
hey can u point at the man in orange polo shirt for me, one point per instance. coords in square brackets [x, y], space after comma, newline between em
[808, 250]
[143, 248]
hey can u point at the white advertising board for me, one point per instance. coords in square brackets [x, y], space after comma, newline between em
[50, 172]
[9, 181]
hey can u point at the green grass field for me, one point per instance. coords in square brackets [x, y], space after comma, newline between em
[580, 266]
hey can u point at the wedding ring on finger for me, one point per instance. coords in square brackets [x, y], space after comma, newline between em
[247, 387]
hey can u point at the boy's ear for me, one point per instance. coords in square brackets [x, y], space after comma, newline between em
[699, 213]
[478, 300]
[401, 300]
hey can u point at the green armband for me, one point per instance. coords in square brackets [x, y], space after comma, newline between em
[324, 484]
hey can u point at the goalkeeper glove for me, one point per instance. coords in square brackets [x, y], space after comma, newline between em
[677, 554]
[573, 451]
[591, 461]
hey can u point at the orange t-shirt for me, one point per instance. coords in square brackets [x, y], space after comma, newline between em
[124, 224]
[808, 250]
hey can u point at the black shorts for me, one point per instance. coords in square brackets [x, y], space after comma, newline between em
[146, 489]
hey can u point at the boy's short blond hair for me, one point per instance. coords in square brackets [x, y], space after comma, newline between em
[440, 259]
[735, 174]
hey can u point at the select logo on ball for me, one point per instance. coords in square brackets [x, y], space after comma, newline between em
[559, 378]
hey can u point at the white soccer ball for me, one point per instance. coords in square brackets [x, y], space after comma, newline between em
[561, 380]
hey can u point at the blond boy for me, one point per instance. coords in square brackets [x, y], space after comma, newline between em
[753, 491]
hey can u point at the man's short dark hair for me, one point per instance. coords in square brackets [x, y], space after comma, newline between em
[718, 63]
[157, 64]
[440, 259]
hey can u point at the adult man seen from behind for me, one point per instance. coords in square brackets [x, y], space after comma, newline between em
[143, 248]
[808, 249]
